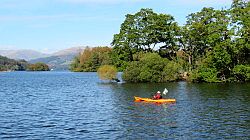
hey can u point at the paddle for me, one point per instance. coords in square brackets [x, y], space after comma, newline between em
[165, 91]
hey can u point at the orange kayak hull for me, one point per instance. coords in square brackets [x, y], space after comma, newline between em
[139, 99]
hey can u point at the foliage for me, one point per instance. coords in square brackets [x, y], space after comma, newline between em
[203, 31]
[107, 72]
[143, 31]
[152, 68]
[204, 74]
[75, 65]
[39, 66]
[213, 46]
[120, 57]
[217, 41]
[241, 73]
[132, 72]
[91, 59]
[171, 71]
[240, 16]
[7, 64]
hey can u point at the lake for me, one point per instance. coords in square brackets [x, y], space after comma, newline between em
[66, 105]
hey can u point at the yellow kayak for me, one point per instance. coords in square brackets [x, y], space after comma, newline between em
[139, 99]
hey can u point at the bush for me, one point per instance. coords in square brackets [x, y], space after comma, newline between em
[132, 72]
[107, 72]
[209, 75]
[152, 68]
[204, 74]
[171, 71]
[241, 73]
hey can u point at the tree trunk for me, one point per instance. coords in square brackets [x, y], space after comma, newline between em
[190, 62]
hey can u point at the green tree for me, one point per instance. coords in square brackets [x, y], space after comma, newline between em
[7, 64]
[75, 65]
[91, 59]
[240, 16]
[143, 31]
[203, 31]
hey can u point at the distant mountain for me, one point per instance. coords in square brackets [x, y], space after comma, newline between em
[55, 62]
[61, 59]
[22, 54]
[69, 51]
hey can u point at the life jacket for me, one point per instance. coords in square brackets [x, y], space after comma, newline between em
[157, 96]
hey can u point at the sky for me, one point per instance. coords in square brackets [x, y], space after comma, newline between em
[52, 25]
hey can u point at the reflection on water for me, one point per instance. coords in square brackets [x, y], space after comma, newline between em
[65, 105]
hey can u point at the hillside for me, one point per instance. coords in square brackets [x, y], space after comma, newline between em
[56, 62]
[61, 59]
[69, 51]
[22, 54]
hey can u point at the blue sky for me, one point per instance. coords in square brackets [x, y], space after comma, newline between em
[51, 25]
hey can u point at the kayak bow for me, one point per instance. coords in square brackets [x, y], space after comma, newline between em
[139, 99]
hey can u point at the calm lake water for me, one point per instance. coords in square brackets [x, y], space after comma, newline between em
[65, 105]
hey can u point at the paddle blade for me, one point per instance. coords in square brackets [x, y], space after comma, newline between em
[165, 91]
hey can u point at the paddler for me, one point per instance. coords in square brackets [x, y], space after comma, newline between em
[157, 95]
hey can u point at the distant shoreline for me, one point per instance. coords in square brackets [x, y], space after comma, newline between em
[7, 71]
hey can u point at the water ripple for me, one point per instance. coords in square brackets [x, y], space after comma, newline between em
[64, 105]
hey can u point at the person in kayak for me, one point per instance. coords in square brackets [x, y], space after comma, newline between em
[157, 95]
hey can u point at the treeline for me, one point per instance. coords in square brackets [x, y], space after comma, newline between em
[38, 67]
[7, 64]
[91, 59]
[213, 46]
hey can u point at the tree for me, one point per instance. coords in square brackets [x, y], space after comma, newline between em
[203, 31]
[240, 16]
[7, 64]
[144, 31]
[75, 65]
[91, 59]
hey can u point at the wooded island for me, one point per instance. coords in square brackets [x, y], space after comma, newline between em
[213, 46]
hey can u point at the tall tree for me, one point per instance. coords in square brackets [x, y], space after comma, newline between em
[203, 31]
[240, 11]
[144, 31]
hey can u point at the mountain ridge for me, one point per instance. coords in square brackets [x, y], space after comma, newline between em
[59, 60]
[26, 54]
